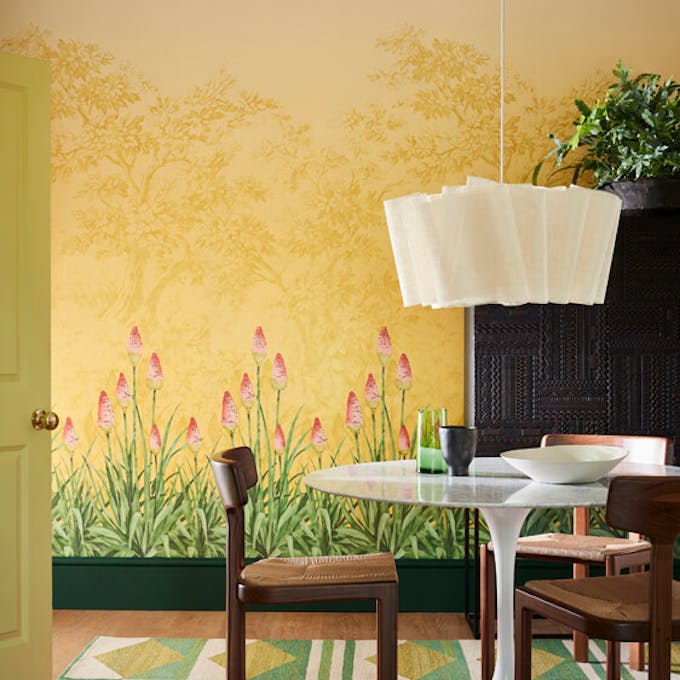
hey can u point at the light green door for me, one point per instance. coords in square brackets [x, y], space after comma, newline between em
[25, 527]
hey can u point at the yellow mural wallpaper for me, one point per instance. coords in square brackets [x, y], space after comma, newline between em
[221, 268]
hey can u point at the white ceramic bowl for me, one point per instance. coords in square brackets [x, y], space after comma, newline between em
[565, 464]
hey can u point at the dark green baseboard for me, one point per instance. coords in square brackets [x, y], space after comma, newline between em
[199, 584]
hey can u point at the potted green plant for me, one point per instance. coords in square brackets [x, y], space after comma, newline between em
[627, 143]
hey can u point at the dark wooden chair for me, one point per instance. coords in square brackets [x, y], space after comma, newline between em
[296, 579]
[630, 607]
[614, 554]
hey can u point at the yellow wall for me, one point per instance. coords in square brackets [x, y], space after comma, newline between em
[221, 165]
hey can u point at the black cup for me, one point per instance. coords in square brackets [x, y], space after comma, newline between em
[458, 443]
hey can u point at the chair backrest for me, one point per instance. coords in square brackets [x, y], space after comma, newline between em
[235, 473]
[641, 449]
[651, 506]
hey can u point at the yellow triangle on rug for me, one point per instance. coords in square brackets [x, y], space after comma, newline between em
[116, 658]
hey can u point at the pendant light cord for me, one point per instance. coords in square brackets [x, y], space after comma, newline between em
[469, 406]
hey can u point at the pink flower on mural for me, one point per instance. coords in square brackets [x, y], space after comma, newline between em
[69, 436]
[229, 412]
[318, 436]
[354, 417]
[384, 348]
[279, 373]
[371, 393]
[155, 439]
[247, 393]
[259, 346]
[404, 377]
[134, 346]
[404, 443]
[194, 439]
[123, 392]
[105, 412]
[154, 378]
[279, 440]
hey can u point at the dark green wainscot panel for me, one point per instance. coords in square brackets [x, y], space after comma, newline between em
[199, 584]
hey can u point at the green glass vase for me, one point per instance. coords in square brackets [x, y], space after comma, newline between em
[429, 453]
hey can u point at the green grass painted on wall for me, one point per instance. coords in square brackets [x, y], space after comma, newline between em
[149, 491]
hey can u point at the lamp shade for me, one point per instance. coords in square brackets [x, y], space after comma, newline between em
[494, 243]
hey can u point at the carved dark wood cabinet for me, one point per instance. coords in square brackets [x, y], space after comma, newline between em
[611, 368]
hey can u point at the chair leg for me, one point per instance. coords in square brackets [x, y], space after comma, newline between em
[523, 617]
[580, 647]
[636, 653]
[580, 639]
[636, 656]
[487, 616]
[659, 661]
[613, 660]
[386, 615]
[613, 655]
[236, 641]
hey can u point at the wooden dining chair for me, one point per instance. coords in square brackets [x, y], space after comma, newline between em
[580, 549]
[641, 606]
[296, 579]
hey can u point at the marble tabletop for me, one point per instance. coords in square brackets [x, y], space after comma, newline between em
[492, 483]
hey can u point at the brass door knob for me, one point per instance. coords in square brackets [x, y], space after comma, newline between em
[44, 420]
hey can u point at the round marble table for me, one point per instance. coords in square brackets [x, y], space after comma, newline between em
[502, 494]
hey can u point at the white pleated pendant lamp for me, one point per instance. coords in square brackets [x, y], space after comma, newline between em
[511, 244]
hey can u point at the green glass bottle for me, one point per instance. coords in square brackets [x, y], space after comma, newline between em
[429, 453]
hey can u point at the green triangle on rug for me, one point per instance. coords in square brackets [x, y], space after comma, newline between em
[116, 658]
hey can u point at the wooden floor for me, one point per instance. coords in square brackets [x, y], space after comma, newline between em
[73, 629]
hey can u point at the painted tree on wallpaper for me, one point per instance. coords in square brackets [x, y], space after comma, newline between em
[181, 194]
[152, 162]
[442, 121]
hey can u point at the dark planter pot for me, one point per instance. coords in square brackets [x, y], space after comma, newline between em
[647, 194]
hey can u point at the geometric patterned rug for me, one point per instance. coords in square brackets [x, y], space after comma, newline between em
[112, 658]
